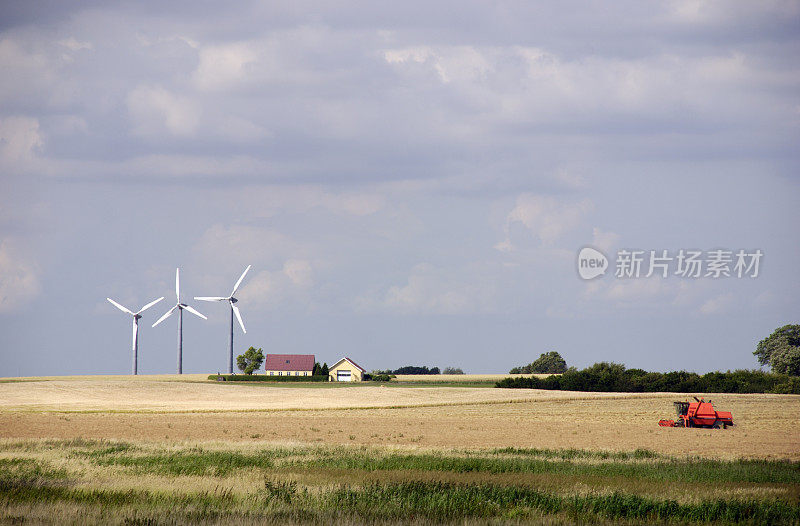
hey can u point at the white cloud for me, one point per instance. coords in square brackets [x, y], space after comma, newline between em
[605, 241]
[75, 45]
[289, 286]
[153, 109]
[636, 290]
[451, 63]
[299, 272]
[546, 217]
[230, 247]
[271, 200]
[719, 12]
[19, 138]
[19, 283]
[717, 304]
[223, 66]
[432, 290]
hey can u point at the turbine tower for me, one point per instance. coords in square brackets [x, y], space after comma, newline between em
[234, 310]
[136, 316]
[181, 307]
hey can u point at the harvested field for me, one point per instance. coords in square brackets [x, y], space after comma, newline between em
[158, 409]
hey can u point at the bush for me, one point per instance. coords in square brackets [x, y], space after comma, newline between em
[452, 370]
[614, 377]
[378, 377]
[413, 369]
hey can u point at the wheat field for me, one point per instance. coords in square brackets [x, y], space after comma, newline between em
[192, 409]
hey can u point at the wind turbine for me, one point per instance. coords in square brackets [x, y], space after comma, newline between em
[181, 307]
[136, 316]
[234, 310]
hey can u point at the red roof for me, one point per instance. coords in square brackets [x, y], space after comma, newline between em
[289, 362]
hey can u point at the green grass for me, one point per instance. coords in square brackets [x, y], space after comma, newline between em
[640, 464]
[376, 502]
[57, 482]
[672, 470]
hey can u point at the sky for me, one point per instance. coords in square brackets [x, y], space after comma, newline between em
[412, 182]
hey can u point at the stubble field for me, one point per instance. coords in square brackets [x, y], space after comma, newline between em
[177, 449]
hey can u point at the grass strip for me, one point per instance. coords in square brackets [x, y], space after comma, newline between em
[674, 470]
[380, 502]
[640, 464]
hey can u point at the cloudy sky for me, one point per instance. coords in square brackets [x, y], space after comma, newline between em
[411, 181]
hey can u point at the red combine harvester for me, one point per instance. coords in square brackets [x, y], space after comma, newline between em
[698, 414]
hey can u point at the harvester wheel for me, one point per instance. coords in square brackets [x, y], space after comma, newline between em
[717, 425]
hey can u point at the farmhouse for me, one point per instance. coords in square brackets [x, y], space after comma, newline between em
[289, 364]
[346, 370]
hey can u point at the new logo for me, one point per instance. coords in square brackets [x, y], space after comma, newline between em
[591, 263]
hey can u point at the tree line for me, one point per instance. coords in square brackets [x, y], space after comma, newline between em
[614, 377]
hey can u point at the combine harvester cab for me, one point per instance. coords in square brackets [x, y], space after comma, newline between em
[698, 414]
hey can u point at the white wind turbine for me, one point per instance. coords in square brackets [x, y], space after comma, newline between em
[181, 307]
[234, 310]
[136, 316]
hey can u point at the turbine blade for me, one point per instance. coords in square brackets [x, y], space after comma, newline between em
[235, 287]
[165, 316]
[149, 305]
[120, 307]
[178, 284]
[194, 312]
[238, 317]
[135, 332]
[210, 298]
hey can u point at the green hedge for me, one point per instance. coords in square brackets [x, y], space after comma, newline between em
[613, 377]
[265, 378]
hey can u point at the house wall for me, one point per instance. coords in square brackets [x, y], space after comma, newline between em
[288, 373]
[355, 373]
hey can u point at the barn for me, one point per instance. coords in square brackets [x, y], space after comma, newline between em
[289, 364]
[346, 370]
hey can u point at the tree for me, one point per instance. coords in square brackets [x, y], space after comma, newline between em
[324, 371]
[452, 370]
[781, 350]
[548, 363]
[250, 360]
[317, 371]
